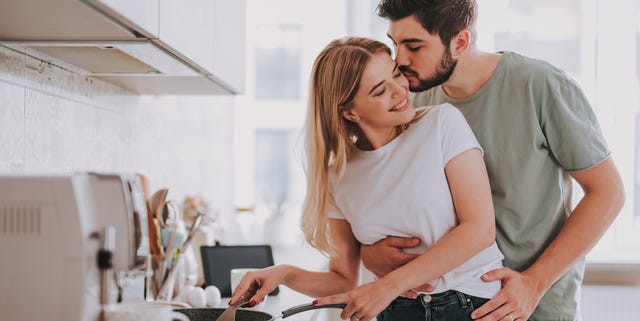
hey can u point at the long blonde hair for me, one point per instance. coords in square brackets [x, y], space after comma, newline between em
[329, 138]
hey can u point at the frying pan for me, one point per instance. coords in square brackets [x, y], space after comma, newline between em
[211, 314]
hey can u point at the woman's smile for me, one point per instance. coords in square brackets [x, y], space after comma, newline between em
[401, 106]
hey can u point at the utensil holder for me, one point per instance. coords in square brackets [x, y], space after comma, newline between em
[165, 291]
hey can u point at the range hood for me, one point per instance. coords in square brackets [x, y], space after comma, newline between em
[89, 38]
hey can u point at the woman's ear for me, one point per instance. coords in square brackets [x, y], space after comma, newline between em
[349, 115]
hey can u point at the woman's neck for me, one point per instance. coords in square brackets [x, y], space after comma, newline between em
[374, 139]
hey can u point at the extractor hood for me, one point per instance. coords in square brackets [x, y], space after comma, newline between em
[83, 37]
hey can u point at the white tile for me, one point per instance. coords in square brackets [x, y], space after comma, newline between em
[11, 128]
[71, 123]
[11, 66]
[58, 134]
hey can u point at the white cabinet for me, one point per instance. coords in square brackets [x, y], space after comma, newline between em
[187, 26]
[140, 15]
[229, 34]
[209, 35]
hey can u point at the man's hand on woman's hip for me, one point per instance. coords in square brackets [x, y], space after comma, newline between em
[516, 300]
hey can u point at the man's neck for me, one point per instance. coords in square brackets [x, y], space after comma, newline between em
[472, 72]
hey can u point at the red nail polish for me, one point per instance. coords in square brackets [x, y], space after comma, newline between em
[314, 302]
[252, 303]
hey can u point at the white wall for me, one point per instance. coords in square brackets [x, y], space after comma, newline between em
[55, 121]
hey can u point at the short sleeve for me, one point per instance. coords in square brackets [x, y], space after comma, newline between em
[457, 136]
[332, 208]
[571, 128]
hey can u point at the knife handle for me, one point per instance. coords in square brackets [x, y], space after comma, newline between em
[308, 306]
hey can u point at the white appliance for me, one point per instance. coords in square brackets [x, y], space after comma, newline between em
[50, 234]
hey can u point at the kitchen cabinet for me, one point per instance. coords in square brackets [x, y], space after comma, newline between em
[210, 33]
[140, 15]
[229, 34]
[173, 47]
[207, 34]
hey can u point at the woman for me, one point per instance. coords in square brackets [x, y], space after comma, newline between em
[376, 167]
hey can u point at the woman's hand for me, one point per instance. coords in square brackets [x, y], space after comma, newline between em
[258, 284]
[364, 302]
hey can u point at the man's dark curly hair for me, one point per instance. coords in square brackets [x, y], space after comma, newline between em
[445, 18]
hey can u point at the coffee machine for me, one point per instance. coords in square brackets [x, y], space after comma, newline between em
[51, 231]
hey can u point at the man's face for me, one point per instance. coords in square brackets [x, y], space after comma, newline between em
[421, 57]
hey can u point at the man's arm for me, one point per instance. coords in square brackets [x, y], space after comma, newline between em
[386, 255]
[521, 292]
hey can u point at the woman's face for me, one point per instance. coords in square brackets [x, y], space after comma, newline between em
[382, 101]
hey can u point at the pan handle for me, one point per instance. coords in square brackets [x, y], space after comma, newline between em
[308, 306]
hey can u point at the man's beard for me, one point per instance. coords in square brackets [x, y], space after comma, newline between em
[443, 73]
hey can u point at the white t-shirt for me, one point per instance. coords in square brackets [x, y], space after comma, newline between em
[400, 189]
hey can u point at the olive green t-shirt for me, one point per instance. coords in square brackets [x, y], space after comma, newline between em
[535, 125]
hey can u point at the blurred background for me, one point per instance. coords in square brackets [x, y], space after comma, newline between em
[595, 42]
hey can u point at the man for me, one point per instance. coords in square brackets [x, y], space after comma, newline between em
[538, 131]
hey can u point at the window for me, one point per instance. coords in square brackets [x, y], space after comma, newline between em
[277, 57]
[275, 168]
[284, 38]
[557, 40]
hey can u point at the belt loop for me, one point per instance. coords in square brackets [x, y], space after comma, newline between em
[464, 302]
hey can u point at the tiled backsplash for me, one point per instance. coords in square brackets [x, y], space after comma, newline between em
[56, 121]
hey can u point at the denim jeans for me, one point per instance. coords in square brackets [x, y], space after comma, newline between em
[446, 306]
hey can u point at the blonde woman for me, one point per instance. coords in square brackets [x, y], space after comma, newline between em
[377, 167]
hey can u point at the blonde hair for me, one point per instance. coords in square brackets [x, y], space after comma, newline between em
[329, 138]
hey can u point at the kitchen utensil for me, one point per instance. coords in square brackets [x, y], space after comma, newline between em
[208, 314]
[155, 250]
[305, 307]
[169, 213]
[157, 199]
[162, 292]
[172, 240]
[230, 313]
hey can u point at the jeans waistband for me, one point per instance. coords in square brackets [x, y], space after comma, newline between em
[446, 297]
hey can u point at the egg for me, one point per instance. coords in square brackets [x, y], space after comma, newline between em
[196, 298]
[213, 296]
[184, 293]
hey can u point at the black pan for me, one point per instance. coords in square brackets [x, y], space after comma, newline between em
[211, 314]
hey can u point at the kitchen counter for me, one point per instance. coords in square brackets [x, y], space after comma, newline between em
[612, 274]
